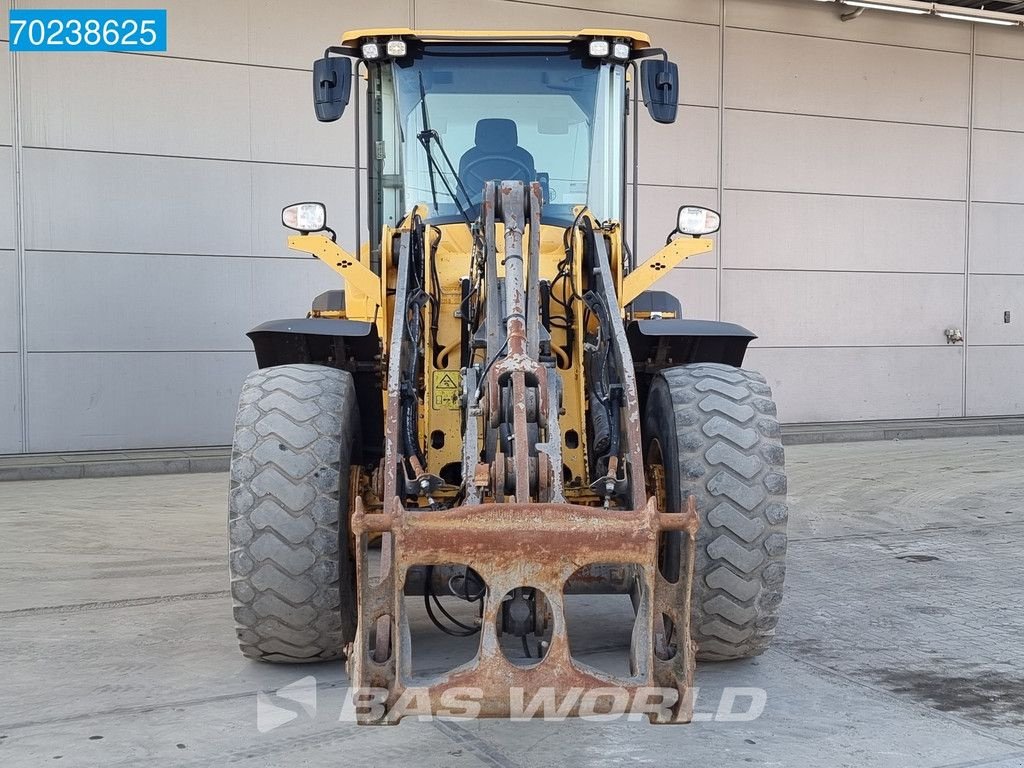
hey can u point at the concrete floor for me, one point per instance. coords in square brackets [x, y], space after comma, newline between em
[901, 644]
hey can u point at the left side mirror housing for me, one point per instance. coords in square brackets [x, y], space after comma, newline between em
[659, 80]
[695, 221]
[332, 87]
[305, 217]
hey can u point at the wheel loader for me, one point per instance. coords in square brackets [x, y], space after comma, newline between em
[497, 413]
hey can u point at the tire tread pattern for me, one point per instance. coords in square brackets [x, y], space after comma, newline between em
[730, 457]
[288, 485]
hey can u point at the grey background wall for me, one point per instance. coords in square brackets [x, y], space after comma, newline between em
[870, 174]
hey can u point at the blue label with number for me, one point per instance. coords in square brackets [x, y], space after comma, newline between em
[81, 30]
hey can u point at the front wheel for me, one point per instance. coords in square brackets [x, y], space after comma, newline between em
[711, 431]
[293, 577]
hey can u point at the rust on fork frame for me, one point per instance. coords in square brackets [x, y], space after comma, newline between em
[558, 539]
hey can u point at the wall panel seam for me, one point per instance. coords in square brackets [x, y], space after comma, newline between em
[719, 254]
[802, 270]
[755, 345]
[850, 118]
[146, 351]
[969, 170]
[852, 194]
[19, 243]
[830, 39]
[207, 158]
[199, 255]
[982, 129]
[998, 57]
[201, 60]
[140, 351]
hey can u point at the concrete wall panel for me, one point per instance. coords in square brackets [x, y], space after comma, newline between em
[808, 75]
[858, 384]
[997, 238]
[10, 403]
[83, 401]
[134, 203]
[799, 18]
[998, 171]
[163, 303]
[10, 324]
[171, 205]
[853, 157]
[833, 309]
[997, 41]
[993, 381]
[828, 232]
[682, 154]
[8, 212]
[299, 138]
[999, 94]
[5, 91]
[695, 289]
[991, 297]
[104, 105]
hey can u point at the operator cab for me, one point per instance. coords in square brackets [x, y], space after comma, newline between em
[449, 111]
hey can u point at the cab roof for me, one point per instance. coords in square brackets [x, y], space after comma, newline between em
[354, 37]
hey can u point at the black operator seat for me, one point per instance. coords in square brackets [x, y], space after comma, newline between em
[496, 155]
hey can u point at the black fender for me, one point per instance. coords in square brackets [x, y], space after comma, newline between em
[351, 345]
[657, 344]
[319, 340]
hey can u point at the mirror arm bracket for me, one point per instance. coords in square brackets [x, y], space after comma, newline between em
[658, 265]
[646, 53]
[340, 50]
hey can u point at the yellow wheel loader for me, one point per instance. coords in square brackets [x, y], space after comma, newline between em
[497, 414]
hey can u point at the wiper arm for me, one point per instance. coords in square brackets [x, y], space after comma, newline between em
[426, 136]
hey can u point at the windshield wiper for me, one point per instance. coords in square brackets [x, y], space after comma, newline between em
[426, 136]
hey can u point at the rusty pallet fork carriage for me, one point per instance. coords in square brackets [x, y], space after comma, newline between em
[497, 400]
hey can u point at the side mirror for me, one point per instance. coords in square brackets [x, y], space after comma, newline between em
[696, 221]
[305, 217]
[332, 86]
[659, 80]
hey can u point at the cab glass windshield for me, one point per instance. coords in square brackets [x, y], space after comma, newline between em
[471, 114]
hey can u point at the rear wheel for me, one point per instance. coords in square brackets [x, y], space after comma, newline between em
[292, 571]
[711, 431]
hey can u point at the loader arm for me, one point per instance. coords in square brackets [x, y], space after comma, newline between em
[512, 485]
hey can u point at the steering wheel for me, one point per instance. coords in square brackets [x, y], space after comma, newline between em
[475, 180]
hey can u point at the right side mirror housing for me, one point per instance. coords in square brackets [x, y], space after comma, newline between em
[659, 80]
[332, 86]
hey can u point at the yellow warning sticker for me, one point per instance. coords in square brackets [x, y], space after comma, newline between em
[446, 390]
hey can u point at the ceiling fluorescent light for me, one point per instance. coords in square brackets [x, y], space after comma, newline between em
[981, 19]
[885, 7]
[923, 8]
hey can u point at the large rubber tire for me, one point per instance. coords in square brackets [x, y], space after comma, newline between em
[718, 435]
[292, 571]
